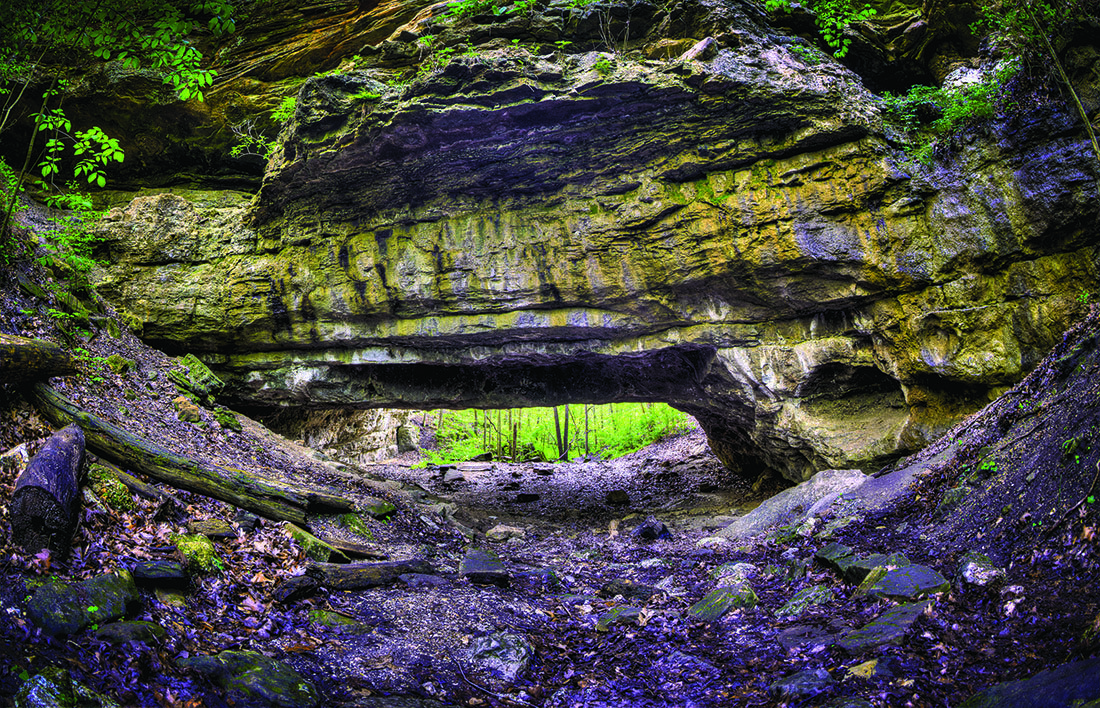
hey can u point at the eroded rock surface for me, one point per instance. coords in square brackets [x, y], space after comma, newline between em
[735, 235]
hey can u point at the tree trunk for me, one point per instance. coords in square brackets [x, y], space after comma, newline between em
[268, 498]
[22, 358]
[353, 576]
[46, 502]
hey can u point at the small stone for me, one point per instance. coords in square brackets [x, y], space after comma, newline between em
[732, 573]
[911, 583]
[453, 476]
[133, 631]
[171, 597]
[976, 569]
[186, 410]
[379, 508]
[889, 628]
[119, 364]
[856, 570]
[627, 588]
[651, 530]
[723, 599]
[423, 581]
[294, 588]
[618, 497]
[805, 599]
[161, 573]
[505, 654]
[214, 529]
[617, 615]
[835, 556]
[198, 551]
[803, 685]
[712, 542]
[484, 568]
[501, 532]
[246, 520]
[336, 620]
[227, 419]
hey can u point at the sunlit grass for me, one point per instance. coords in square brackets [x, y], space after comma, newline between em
[552, 434]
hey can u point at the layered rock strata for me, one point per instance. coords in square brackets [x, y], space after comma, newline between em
[735, 235]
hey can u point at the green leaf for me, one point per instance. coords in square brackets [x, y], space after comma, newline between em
[185, 94]
[101, 181]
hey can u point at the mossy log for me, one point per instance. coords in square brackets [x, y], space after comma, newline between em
[244, 490]
[46, 502]
[354, 576]
[33, 358]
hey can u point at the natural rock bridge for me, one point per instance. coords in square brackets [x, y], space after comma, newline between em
[738, 236]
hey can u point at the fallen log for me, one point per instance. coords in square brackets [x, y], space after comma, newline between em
[46, 503]
[355, 576]
[267, 498]
[33, 358]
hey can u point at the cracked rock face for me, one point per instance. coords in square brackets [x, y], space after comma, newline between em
[735, 235]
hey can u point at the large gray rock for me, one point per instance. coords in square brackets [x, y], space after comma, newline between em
[1067, 686]
[60, 608]
[792, 505]
[252, 680]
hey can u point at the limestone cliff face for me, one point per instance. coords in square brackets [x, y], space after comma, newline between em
[733, 234]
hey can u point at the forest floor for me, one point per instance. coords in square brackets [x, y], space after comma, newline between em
[582, 606]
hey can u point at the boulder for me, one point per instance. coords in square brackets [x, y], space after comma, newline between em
[59, 608]
[791, 506]
[888, 628]
[736, 595]
[252, 680]
[1067, 686]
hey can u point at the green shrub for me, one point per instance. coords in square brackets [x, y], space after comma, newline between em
[832, 18]
[931, 116]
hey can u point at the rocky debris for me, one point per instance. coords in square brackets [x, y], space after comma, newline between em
[621, 614]
[856, 570]
[484, 567]
[1074, 684]
[59, 608]
[793, 506]
[252, 680]
[627, 588]
[888, 628]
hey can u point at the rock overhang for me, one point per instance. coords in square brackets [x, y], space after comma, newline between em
[745, 217]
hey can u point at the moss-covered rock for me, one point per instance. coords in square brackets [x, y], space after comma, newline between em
[356, 524]
[186, 410]
[252, 680]
[227, 419]
[735, 595]
[198, 552]
[54, 688]
[109, 488]
[60, 608]
[192, 375]
[119, 364]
